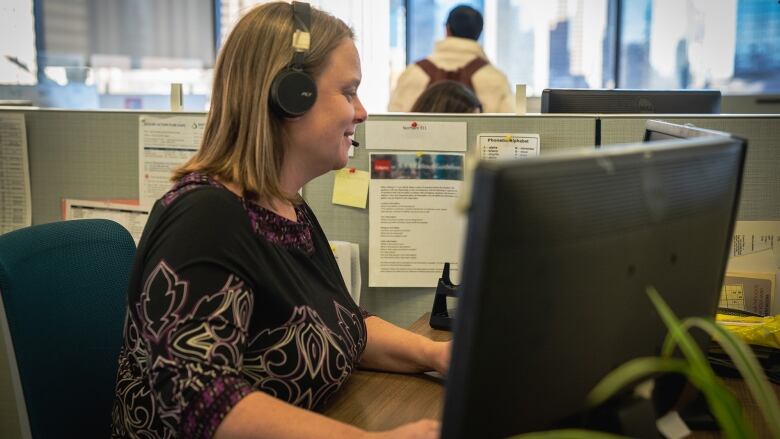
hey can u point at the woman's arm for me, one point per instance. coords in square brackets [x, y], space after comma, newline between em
[394, 349]
[259, 415]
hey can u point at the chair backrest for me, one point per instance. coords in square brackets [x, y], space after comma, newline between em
[63, 291]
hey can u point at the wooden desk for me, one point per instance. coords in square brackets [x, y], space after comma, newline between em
[381, 401]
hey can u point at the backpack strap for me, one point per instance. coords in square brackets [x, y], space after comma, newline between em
[467, 71]
[462, 75]
[434, 73]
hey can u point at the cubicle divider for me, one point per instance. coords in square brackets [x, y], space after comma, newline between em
[404, 305]
[760, 198]
[83, 155]
[94, 155]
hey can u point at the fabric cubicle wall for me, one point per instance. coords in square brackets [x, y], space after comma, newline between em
[760, 198]
[94, 155]
[402, 306]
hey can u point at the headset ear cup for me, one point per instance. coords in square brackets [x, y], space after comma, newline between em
[292, 93]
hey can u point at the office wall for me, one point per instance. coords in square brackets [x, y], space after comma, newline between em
[750, 104]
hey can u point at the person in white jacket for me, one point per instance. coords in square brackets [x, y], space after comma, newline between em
[456, 55]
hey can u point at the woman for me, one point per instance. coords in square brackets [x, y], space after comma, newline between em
[239, 322]
[447, 97]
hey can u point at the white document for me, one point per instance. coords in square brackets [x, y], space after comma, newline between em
[748, 292]
[357, 279]
[756, 236]
[15, 205]
[164, 143]
[414, 225]
[131, 217]
[755, 248]
[348, 259]
[498, 146]
[414, 135]
[671, 426]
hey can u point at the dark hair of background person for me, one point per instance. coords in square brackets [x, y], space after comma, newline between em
[447, 97]
[465, 22]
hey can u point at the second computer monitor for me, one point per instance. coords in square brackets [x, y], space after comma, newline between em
[575, 100]
[662, 130]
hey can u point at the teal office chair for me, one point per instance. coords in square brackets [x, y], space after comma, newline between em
[62, 290]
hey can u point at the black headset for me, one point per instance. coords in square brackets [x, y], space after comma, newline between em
[293, 91]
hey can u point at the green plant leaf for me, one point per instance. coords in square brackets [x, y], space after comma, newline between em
[687, 344]
[751, 371]
[568, 434]
[722, 403]
[726, 410]
[631, 372]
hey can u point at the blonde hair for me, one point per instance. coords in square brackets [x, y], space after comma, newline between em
[243, 141]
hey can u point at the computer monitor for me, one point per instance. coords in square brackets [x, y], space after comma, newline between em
[576, 100]
[559, 253]
[660, 130]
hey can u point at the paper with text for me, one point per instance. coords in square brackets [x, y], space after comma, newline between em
[756, 236]
[131, 217]
[164, 143]
[414, 135]
[751, 292]
[501, 146]
[15, 203]
[350, 188]
[414, 225]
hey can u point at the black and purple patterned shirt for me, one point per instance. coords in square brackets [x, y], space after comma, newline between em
[226, 298]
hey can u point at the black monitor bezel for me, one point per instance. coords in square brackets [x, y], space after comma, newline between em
[610, 101]
[469, 313]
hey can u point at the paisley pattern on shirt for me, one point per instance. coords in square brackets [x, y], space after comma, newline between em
[301, 362]
[187, 344]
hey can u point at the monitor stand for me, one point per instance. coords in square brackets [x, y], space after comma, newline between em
[441, 317]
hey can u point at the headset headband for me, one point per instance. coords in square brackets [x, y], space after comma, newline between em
[301, 36]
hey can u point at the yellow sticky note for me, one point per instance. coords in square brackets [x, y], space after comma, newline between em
[350, 187]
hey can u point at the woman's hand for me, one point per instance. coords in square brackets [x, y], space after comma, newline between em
[439, 356]
[423, 429]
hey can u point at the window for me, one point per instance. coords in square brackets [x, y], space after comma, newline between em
[17, 43]
[557, 43]
[126, 53]
[427, 19]
[734, 47]
[122, 53]
[368, 19]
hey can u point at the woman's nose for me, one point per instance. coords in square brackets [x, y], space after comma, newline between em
[360, 111]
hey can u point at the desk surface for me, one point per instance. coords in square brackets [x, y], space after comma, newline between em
[381, 401]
